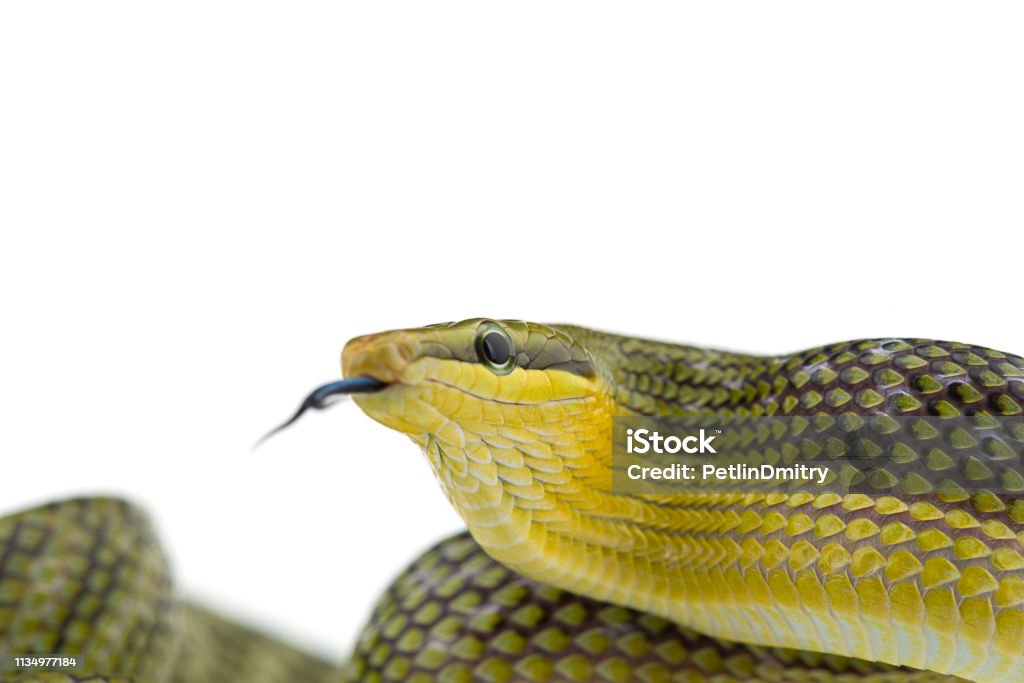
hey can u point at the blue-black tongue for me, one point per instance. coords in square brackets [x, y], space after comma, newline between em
[327, 395]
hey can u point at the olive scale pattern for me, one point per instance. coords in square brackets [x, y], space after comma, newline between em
[893, 376]
[971, 399]
[936, 537]
[87, 577]
[457, 616]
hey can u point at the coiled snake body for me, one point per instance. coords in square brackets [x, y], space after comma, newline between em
[558, 579]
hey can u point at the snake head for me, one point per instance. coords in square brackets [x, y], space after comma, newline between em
[510, 414]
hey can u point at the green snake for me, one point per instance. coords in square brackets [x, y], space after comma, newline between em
[560, 579]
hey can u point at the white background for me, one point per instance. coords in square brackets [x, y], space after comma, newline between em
[201, 202]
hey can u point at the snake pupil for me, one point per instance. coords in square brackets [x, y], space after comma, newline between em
[496, 348]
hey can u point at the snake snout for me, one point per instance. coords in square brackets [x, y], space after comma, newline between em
[384, 356]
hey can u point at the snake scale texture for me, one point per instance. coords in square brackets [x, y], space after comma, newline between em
[559, 579]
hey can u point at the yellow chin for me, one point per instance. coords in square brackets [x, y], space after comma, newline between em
[509, 451]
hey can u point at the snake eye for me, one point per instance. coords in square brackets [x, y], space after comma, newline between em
[495, 349]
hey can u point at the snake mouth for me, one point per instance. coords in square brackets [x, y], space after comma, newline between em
[327, 395]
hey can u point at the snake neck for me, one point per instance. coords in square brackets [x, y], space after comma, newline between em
[662, 379]
[536, 492]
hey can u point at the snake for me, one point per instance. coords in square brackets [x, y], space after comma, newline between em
[559, 577]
